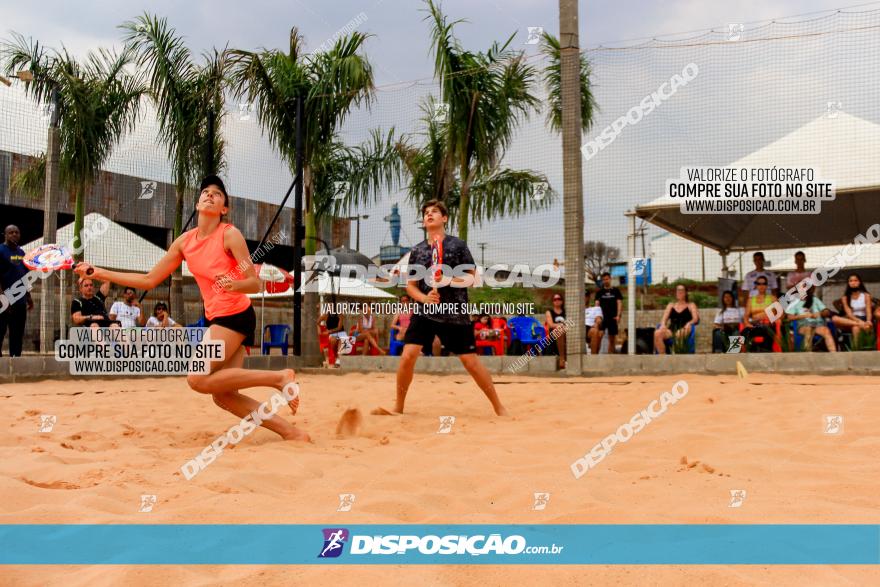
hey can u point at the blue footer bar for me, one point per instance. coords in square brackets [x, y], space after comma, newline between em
[130, 544]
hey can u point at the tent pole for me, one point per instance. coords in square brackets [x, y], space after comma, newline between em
[631, 289]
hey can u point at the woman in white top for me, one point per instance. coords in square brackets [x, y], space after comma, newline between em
[727, 323]
[367, 332]
[857, 308]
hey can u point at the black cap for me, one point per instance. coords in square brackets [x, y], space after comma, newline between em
[213, 180]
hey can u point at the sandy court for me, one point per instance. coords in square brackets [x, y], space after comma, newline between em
[115, 440]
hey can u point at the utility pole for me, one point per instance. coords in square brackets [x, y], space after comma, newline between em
[572, 182]
[482, 253]
[49, 314]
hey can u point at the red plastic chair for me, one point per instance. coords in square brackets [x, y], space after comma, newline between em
[497, 346]
[324, 344]
[759, 339]
[359, 345]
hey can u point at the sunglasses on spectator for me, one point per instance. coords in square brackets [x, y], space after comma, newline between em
[557, 299]
[760, 283]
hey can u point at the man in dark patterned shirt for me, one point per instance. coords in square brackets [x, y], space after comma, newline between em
[449, 320]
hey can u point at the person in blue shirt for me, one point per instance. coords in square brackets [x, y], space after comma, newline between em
[13, 270]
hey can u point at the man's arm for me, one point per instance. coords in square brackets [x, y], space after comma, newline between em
[141, 319]
[105, 289]
[113, 311]
[76, 315]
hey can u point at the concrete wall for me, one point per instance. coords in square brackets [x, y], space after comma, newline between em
[41, 367]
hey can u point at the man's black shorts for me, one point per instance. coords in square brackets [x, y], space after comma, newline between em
[245, 322]
[609, 324]
[457, 338]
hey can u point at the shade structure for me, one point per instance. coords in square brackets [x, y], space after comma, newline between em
[343, 287]
[843, 148]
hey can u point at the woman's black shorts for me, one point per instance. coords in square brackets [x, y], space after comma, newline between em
[245, 322]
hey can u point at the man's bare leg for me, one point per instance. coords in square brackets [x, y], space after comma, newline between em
[405, 369]
[483, 378]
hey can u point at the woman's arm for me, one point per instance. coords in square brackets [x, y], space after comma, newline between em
[749, 308]
[869, 308]
[846, 309]
[695, 313]
[159, 273]
[237, 247]
[665, 315]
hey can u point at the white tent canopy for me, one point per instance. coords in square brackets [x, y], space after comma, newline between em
[842, 148]
[343, 287]
[118, 248]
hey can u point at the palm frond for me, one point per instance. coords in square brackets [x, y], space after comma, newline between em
[553, 82]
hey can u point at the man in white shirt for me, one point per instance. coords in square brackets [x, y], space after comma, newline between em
[593, 321]
[748, 288]
[128, 312]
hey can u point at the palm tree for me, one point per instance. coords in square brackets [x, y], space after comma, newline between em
[553, 83]
[331, 83]
[97, 101]
[494, 193]
[190, 106]
[486, 94]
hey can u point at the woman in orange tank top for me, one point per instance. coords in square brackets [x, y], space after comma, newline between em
[217, 255]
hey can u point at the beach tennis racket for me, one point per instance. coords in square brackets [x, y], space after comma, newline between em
[48, 258]
[437, 259]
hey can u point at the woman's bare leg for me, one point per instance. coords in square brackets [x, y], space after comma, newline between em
[825, 333]
[660, 337]
[560, 345]
[225, 378]
[242, 405]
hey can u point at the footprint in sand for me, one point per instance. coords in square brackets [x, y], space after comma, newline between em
[52, 485]
[692, 465]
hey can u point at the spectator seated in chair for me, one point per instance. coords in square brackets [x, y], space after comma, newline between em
[401, 320]
[757, 322]
[367, 333]
[483, 329]
[88, 309]
[810, 313]
[727, 323]
[555, 320]
[335, 332]
[678, 319]
[593, 322]
[160, 317]
[857, 316]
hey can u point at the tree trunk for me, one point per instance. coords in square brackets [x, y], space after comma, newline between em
[311, 353]
[464, 205]
[572, 181]
[178, 308]
[78, 216]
